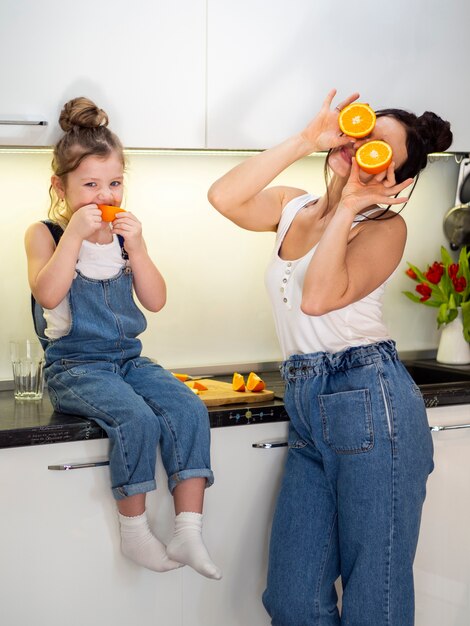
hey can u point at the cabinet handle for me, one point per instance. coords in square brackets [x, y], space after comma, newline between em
[269, 444]
[23, 123]
[451, 427]
[72, 466]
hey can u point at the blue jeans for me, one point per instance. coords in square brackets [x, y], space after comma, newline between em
[360, 452]
[96, 371]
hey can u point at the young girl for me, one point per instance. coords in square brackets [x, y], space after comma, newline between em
[94, 366]
[360, 448]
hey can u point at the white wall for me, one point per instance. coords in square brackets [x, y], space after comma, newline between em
[217, 310]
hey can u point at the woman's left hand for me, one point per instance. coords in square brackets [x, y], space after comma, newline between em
[128, 226]
[380, 189]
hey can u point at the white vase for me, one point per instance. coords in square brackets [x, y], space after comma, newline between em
[453, 348]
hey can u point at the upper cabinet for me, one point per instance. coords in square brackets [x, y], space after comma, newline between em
[225, 74]
[143, 62]
[270, 64]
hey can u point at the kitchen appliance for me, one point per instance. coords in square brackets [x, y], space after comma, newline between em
[457, 219]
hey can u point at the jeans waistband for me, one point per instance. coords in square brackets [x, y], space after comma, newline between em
[305, 365]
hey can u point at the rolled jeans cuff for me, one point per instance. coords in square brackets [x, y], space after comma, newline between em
[175, 479]
[132, 490]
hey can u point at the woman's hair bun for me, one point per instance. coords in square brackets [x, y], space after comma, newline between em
[434, 131]
[82, 113]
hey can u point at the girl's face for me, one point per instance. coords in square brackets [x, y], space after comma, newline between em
[386, 129]
[96, 180]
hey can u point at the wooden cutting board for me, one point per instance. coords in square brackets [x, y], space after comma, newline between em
[219, 393]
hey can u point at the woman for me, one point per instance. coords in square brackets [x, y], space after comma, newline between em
[360, 449]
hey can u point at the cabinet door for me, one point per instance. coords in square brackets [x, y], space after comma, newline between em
[237, 517]
[59, 545]
[442, 572]
[270, 64]
[143, 63]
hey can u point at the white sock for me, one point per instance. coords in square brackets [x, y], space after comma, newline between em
[187, 545]
[140, 545]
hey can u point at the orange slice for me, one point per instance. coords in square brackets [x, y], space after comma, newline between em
[357, 120]
[254, 382]
[238, 382]
[108, 212]
[181, 377]
[374, 156]
[197, 385]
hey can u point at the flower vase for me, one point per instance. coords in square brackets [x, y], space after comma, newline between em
[453, 349]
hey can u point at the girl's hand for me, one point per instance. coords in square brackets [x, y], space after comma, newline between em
[380, 189]
[85, 221]
[323, 132]
[128, 226]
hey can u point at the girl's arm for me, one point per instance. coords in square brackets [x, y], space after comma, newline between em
[149, 284]
[50, 269]
[350, 264]
[240, 195]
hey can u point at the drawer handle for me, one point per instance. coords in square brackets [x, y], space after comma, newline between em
[72, 466]
[451, 427]
[266, 445]
[23, 123]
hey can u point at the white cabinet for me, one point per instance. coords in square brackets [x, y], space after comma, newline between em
[59, 539]
[143, 62]
[238, 513]
[270, 64]
[442, 565]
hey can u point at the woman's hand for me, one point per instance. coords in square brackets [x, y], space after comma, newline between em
[380, 189]
[128, 226]
[323, 132]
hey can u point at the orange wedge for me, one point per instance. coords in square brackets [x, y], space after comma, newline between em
[197, 385]
[374, 156]
[108, 212]
[357, 120]
[238, 382]
[254, 382]
[181, 377]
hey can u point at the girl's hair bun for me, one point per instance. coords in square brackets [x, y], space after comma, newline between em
[81, 113]
[435, 132]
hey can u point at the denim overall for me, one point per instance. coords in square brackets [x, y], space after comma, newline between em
[96, 371]
[360, 452]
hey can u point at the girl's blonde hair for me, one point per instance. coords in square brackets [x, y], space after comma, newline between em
[85, 134]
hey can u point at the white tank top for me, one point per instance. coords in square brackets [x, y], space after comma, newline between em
[95, 260]
[357, 324]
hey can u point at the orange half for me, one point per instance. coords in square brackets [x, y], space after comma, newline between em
[181, 377]
[108, 212]
[254, 382]
[374, 156]
[357, 120]
[238, 382]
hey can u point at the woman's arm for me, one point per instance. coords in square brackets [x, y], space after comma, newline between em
[350, 264]
[240, 195]
[149, 284]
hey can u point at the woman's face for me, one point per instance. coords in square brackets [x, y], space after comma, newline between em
[386, 129]
[96, 180]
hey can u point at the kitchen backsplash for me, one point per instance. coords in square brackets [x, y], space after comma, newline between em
[217, 310]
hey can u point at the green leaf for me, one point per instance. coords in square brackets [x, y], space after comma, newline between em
[446, 258]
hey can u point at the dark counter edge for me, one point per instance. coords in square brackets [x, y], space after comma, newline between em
[27, 423]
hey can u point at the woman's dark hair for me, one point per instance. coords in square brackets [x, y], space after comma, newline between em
[424, 134]
[86, 133]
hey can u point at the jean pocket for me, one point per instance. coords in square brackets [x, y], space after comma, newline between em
[347, 421]
[80, 368]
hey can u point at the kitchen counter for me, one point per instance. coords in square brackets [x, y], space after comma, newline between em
[26, 423]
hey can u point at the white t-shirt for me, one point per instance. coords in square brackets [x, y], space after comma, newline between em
[356, 324]
[95, 260]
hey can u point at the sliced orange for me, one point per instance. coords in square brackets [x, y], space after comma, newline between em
[357, 120]
[254, 382]
[197, 385]
[238, 382]
[374, 156]
[108, 212]
[181, 377]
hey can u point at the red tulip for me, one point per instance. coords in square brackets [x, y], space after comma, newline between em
[409, 272]
[425, 291]
[453, 270]
[459, 284]
[434, 273]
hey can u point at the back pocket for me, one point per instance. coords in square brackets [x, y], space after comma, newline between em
[347, 421]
